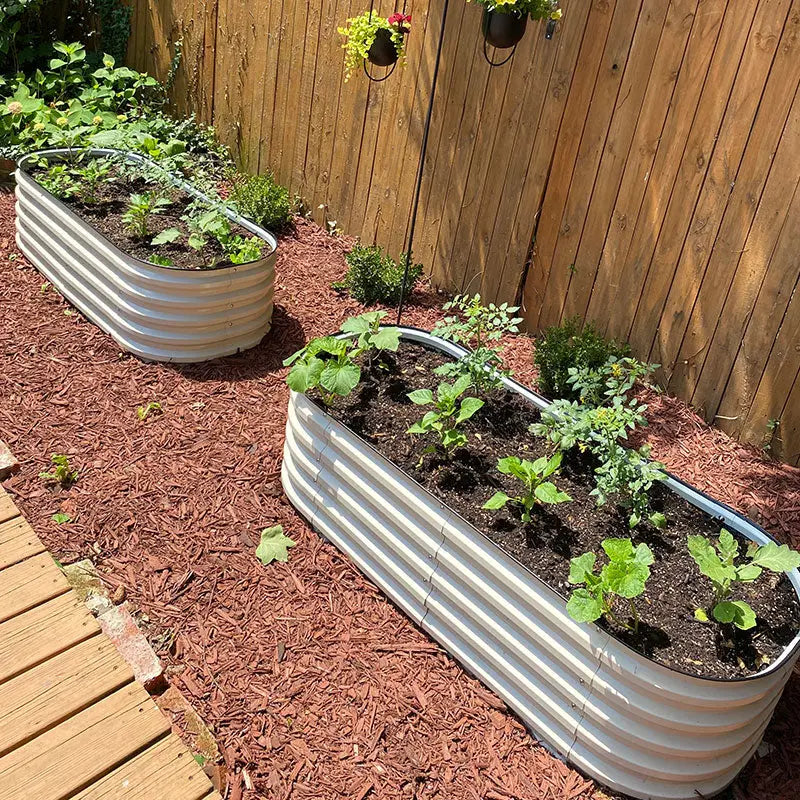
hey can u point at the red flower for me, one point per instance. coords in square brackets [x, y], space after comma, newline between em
[401, 20]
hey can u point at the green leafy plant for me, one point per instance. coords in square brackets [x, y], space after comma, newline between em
[538, 9]
[161, 261]
[567, 346]
[261, 199]
[274, 545]
[243, 249]
[447, 413]
[478, 328]
[537, 489]
[624, 576]
[61, 473]
[360, 32]
[140, 208]
[597, 386]
[716, 560]
[91, 177]
[374, 277]
[61, 519]
[329, 363]
[153, 407]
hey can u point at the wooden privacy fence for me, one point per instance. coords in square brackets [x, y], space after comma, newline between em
[640, 169]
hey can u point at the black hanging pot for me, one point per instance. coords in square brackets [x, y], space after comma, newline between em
[503, 30]
[382, 52]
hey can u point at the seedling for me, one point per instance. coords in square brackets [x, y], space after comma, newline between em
[716, 562]
[533, 474]
[447, 414]
[326, 364]
[161, 261]
[625, 576]
[62, 473]
[142, 412]
[61, 519]
[140, 208]
[370, 335]
[241, 250]
[91, 177]
[597, 386]
[477, 327]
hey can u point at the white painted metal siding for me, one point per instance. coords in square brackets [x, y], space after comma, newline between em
[635, 725]
[157, 313]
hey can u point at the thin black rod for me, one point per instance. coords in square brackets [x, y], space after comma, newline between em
[420, 166]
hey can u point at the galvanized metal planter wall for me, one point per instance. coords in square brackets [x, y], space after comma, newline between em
[634, 725]
[157, 313]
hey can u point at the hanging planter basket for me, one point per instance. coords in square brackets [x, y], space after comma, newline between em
[383, 52]
[503, 30]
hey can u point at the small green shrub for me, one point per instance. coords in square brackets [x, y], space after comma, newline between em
[262, 200]
[567, 346]
[375, 277]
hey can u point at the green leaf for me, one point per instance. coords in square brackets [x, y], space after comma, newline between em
[497, 500]
[736, 611]
[748, 572]
[274, 545]
[580, 567]
[582, 606]
[304, 375]
[547, 493]
[453, 438]
[627, 579]
[340, 379]
[658, 520]
[421, 397]
[386, 339]
[417, 428]
[61, 519]
[700, 615]
[703, 552]
[728, 546]
[776, 558]
[552, 465]
[468, 407]
[618, 549]
[643, 555]
[166, 237]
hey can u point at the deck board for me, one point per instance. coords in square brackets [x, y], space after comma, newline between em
[73, 721]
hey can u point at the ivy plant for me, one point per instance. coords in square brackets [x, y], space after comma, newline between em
[716, 561]
[447, 414]
[537, 489]
[478, 328]
[624, 576]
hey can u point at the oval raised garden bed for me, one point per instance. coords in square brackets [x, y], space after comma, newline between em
[635, 725]
[156, 312]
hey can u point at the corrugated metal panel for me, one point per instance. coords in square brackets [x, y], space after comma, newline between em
[157, 313]
[635, 725]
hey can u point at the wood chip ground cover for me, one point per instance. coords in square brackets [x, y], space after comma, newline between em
[313, 683]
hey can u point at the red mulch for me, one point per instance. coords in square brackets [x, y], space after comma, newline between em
[314, 684]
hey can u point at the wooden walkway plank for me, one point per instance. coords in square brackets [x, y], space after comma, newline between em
[7, 508]
[165, 771]
[58, 688]
[30, 583]
[17, 542]
[44, 631]
[85, 747]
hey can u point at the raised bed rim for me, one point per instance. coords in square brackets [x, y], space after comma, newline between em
[420, 335]
[179, 183]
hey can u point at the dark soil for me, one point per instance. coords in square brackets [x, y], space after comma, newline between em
[105, 216]
[380, 412]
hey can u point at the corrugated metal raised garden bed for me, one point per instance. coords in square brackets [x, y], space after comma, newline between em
[636, 725]
[157, 312]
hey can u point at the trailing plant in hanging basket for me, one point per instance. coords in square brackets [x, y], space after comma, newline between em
[371, 37]
[504, 21]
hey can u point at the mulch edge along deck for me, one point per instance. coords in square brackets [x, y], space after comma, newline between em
[313, 683]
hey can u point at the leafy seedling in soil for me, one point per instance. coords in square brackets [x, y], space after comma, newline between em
[324, 364]
[61, 519]
[533, 474]
[447, 413]
[62, 473]
[716, 562]
[478, 328]
[274, 545]
[370, 336]
[140, 208]
[624, 576]
[142, 412]
[161, 261]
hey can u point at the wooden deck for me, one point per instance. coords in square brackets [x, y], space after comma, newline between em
[73, 721]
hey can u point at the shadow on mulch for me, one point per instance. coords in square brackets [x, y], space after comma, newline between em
[314, 684]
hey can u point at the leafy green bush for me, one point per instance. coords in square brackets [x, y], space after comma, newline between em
[374, 277]
[262, 200]
[567, 346]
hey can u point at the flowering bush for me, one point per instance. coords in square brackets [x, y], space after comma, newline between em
[360, 33]
[537, 9]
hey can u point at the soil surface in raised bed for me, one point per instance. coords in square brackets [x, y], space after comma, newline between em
[105, 216]
[380, 411]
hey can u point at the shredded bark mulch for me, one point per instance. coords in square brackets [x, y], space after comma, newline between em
[314, 684]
